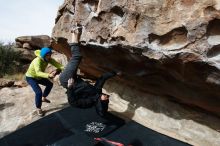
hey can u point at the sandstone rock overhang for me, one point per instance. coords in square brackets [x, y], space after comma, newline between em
[167, 47]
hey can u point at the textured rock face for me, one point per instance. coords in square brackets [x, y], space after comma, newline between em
[27, 44]
[166, 47]
[33, 42]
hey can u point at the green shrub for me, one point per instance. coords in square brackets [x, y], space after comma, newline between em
[9, 59]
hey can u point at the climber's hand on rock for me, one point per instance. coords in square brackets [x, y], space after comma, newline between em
[70, 83]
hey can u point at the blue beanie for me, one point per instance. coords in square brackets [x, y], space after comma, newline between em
[44, 52]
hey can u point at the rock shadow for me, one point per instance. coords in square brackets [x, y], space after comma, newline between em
[6, 105]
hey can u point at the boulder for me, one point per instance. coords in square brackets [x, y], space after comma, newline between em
[35, 42]
[163, 47]
[6, 83]
[20, 83]
[26, 46]
[26, 55]
[18, 45]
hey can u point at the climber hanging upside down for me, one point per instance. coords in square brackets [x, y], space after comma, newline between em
[79, 92]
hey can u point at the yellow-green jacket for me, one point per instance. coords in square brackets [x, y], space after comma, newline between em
[38, 66]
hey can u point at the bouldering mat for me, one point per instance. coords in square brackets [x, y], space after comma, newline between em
[62, 124]
[134, 134]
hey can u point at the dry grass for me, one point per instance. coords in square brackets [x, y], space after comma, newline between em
[16, 77]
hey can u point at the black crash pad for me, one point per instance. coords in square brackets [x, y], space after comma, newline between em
[62, 124]
[75, 140]
[79, 127]
[45, 131]
[86, 120]
[134, 134]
